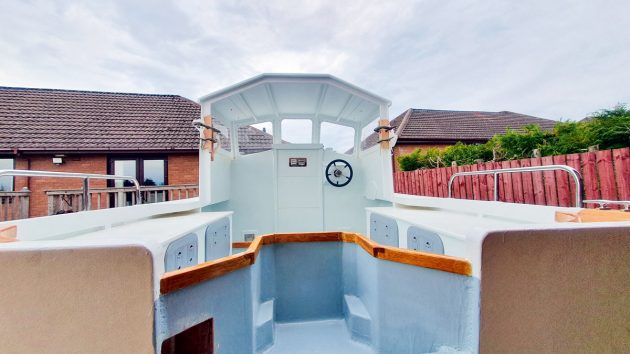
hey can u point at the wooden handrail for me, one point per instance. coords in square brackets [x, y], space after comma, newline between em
[182, 278]
[15, 194]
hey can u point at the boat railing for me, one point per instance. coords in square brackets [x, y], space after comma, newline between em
[85, 191]
[604, 204]
[577, 178]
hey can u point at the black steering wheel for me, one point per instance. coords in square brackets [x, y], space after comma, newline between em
[338, 173]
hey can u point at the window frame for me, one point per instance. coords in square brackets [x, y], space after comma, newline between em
[13, 168]
[282, 132]
[354, 133]
[139, 159]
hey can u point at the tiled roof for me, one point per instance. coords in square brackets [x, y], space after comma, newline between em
[434, 126]
[66, 120]
[250, 140]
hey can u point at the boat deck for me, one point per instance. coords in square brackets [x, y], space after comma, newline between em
[326, 336]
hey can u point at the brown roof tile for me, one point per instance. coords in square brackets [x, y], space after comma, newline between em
[66, 120]
[432, 126]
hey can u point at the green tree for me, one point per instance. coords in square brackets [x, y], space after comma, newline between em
[610, 128]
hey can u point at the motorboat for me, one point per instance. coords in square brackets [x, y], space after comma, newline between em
[305, 248]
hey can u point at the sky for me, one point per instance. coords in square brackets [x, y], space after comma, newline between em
[552, 59]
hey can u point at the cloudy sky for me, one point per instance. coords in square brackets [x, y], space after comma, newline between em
[553, 59]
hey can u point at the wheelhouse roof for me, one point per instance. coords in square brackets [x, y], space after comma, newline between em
[269, 97]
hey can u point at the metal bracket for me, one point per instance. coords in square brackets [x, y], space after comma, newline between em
[388, 139]
[386, 127]
[198, 124]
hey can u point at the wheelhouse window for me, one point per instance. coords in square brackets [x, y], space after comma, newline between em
[255, 138]
[338, 137]
[224, 135]
[6, 183]
[297, 131]
[369, 137]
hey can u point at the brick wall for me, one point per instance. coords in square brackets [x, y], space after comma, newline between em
[38, 203]
[183, 169]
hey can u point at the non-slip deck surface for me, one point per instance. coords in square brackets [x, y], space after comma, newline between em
[327, 336]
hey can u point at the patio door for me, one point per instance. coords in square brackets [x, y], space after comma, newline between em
[150, 171]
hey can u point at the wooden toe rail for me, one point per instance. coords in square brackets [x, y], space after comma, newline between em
[196, 274]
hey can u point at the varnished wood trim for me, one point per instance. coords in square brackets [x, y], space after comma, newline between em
[593, 215]
[306, 237]
[254, 247]
[426, 260]
[182, 278]
[241, 244]
[8, 234]
[368, 245]
[193, 275]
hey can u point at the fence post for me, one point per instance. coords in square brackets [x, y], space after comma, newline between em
[24, 203]
[86, 194]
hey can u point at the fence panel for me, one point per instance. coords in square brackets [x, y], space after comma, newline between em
[589, 174]
[621, 158]
[562, 182]
[605, 175]
[573, 160]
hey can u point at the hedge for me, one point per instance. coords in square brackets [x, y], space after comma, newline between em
[606, 129]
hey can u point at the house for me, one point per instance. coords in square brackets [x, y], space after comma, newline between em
[146, 136]
[427, 128]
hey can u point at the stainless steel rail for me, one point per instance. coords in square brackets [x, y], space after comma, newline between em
[86, 181]
[603, 203]
[572, 172]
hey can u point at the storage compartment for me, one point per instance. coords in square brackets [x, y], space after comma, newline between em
[198, 339]
[419, 239]
[181, 253]
[383, 230]
[218, 239]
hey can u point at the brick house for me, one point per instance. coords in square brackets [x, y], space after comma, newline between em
[146, 136]
[427, 128]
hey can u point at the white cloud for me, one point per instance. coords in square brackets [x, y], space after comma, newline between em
[560, 59]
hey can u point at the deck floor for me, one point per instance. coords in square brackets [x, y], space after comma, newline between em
[327, 336]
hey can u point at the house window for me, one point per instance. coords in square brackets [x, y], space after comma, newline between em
[6, 183]
[149, 171]
[154, 172]
[125, 168]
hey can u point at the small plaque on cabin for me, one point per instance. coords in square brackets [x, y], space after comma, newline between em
[297, 161]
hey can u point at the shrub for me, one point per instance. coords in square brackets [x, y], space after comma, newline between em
[609, 129]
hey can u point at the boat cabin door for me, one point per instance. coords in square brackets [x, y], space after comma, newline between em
[298, 187]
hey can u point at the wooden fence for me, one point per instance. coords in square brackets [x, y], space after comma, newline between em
[63, 201]
[605, 175]
[14, 205]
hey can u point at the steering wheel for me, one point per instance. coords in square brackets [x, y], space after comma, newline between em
[339, 173]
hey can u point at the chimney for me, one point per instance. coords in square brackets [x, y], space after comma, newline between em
[264, 130]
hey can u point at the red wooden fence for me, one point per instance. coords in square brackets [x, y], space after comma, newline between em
[605, 175]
